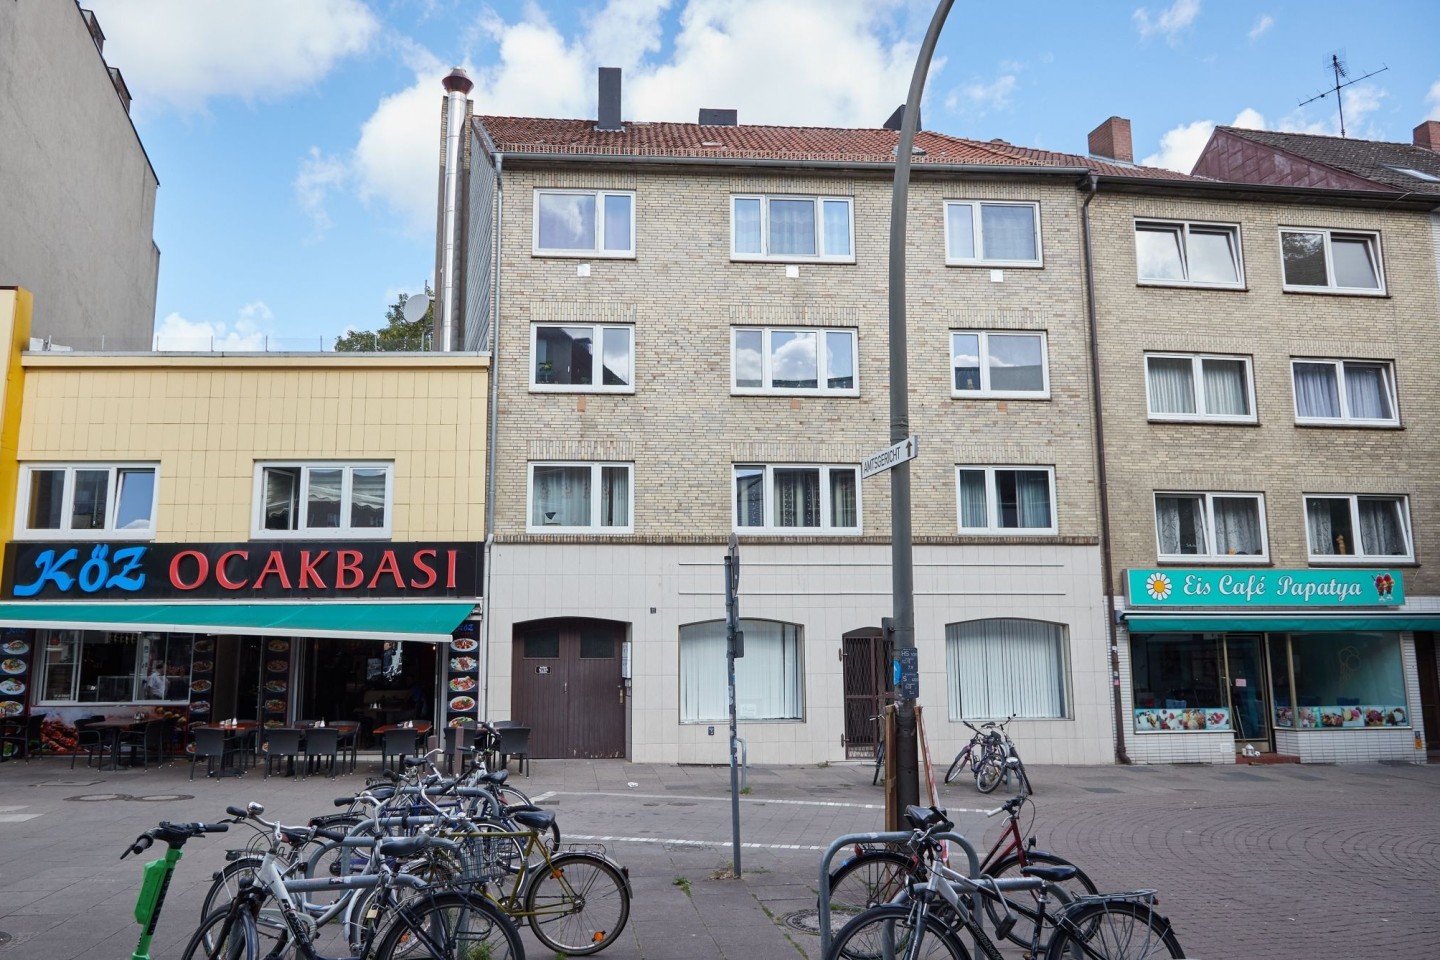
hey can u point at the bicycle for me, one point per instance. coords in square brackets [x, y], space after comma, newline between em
[877, 875]
[155, 882]
[879, 750]
[996, 763]
[930, 916]
[969, 756]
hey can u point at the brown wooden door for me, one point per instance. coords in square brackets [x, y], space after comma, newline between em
[567, 688]
[1429, 689]
[866, 675]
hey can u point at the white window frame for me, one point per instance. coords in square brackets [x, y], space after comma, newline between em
[1210, 555]
[109, 531]
[597, 369]
[1197, 384]
[1345, 418]
[821, 363]
[596, 468]
[599, 250]
[1184, 228]
[765, 256]
[1353, 499]
[978, 234]
[790, 650]
[259, 531]
[985, 389]
[1372, 239]
[825, 529]
[992, 526]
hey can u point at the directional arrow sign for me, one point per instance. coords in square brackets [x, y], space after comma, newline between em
[904, 450]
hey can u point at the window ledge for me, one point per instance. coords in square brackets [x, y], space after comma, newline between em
[794, 261]
[1336, 292]
[998, 264]
[826, 394]
[1347, 425]
[582, 255]
[563, 388]
[1179, 285]
[1236, 560]
[967, 395]
[1350, 560]
[1203, 421]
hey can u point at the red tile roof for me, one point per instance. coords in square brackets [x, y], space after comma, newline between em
[754, 142]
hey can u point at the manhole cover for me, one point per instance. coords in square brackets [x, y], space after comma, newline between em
[163, 797]
[806, 921]
[99, 797]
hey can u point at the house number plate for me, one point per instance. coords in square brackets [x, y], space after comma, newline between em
[542, 669]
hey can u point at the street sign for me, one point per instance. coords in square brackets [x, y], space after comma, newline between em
[907, 673]
[904, 450]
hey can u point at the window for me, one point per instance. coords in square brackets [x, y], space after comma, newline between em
[565, 359]
[1340, 680]
[297, 500]
[1180, 686]
[797, 499]
[580, 498]
[1202, 254]
[1360, 392]
[1330, 260]
[992, 234]
[1005, 666]
[584, 223]
[92, 666]
[793, 361]
[993, 364]
[767, 678]
[791, 228]
[1006, 500]
[1351, 527]
[1199, 387]
[73, 501]
[1217, 525]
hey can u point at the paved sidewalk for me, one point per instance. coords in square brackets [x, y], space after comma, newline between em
[1310, 862]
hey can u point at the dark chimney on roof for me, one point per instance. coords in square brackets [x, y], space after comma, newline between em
[711, 117]
[898, 118]
[609, 110]
[1111, 141]
[1427, 135]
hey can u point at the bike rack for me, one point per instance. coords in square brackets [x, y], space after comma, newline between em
[898, 836]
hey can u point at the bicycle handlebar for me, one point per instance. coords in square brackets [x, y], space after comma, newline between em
[174, 834]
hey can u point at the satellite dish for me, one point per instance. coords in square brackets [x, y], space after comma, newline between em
[415, 308]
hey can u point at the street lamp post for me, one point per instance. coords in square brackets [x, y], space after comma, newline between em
[907, 747]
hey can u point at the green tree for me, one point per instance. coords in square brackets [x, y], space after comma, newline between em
[398, 334]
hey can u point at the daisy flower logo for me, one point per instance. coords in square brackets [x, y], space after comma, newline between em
[1158, 586]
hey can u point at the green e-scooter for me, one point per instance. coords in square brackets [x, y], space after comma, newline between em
[158, 872]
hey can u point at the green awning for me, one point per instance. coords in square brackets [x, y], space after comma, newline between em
[1293, 621]
[360, 620]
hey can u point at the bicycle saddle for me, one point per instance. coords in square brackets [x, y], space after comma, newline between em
[402, 847]
[496, 777]
[1050, 874]
[537, 820]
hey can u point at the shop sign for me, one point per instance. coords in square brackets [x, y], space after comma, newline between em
[1264, 588]
[97, 570]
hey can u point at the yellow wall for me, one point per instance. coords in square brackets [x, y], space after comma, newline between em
[15, 308]
[207, 419]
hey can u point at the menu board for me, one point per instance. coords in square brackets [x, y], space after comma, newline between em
[1185, 719]
[462, 686]
[275, 682]
[17, 653]
[202, 677]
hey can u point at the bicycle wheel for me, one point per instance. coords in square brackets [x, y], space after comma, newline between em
[989, 772]
[269, 928]
[885, 932]
[867, 880]
[1024, 776]
[961, 762]
[450, 926]
[1113, 930]
[879, 763]
[221, 936]
[1026, 902]
[578, 904]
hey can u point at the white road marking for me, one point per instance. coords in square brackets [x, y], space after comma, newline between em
[9, 815]
[672, 841]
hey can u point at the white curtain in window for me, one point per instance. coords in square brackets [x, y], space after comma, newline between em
[614, 496]
[1180, 522]
[1319, 520]
[1172, 384]
[797, 497]
[837, 228]
[1004, 666]
[1381, 532]
[1225, 393]
[1366, 391]
[972, 500]
[792, 227]
[1237, 525]
[767, 678]
[843, 506]
[1316, 393]
[561, 497]
[746, 226]
[1033, 491]
[1008, 232]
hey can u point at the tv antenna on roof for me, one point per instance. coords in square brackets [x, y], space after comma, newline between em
[1338, 66]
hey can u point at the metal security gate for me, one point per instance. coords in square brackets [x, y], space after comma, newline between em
[566, 687]
[865, 671]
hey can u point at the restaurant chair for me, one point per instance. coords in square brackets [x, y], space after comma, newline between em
[349, 745]
[147, 742]
[281, 743]
[87, 741]
[515, 742]
[209, 743]
[321, 743]
[398, 742]
[466, 738]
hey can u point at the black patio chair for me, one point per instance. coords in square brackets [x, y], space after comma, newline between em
[282, 743]
[515, 743]
[146, 743]
[211, 744]
[321, 744]
[87, 741]
[400, 743]
[465, 736]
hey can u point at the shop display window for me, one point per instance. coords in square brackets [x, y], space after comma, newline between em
[1177, 683]
[91, 666]
[1339, 680]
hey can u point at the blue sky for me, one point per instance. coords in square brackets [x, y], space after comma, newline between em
[296, 142]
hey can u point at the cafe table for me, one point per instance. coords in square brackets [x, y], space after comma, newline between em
[114, 728]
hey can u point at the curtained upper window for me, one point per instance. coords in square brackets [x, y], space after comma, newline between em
[580, 498]
[1216, 525]
[797, 499]
[1197, 387]
[786, 228]
[983, 233]
[323, 499]
[1006, 500]
[1357, 392]
[1357, 527]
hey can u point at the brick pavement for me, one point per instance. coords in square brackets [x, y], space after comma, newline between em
[1310, 862]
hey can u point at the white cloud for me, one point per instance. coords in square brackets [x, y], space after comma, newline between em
[1433, 98]
[182, 53]
[1170, 22]
[319, 174]
[1262, 23]
[1360, 102]
[994, 95]
[248, 333]
[1181, 146]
